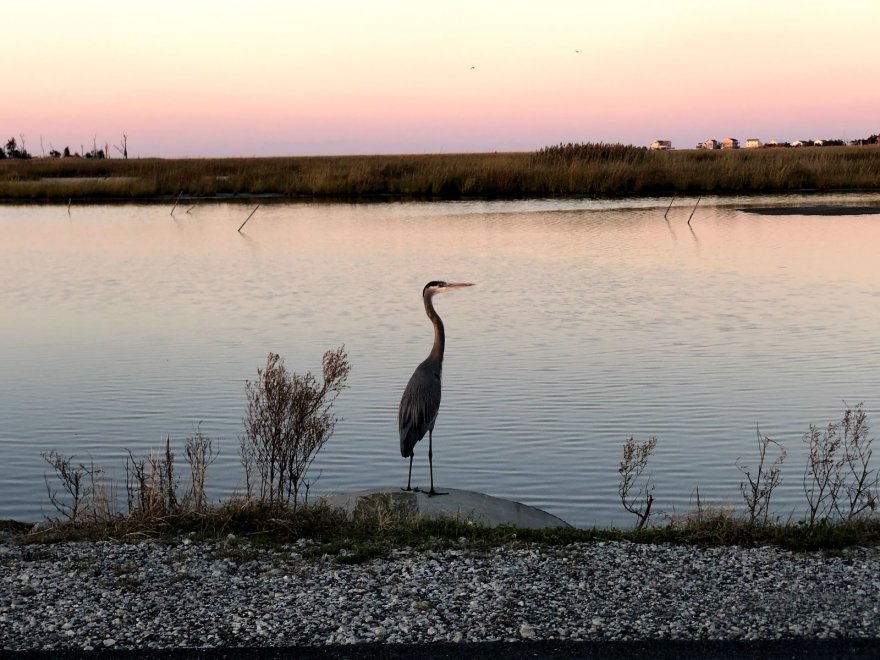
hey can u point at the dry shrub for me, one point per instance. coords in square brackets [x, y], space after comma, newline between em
[637, 499]
[89, 497]
[199, 456]
[759, 489]
[288, 420]
[838, 480]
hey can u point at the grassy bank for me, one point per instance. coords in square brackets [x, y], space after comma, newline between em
[361, 538]
[571, 170]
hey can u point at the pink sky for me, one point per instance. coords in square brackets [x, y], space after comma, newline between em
[191, 78]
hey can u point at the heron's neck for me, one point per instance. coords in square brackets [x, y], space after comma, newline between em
[439, 332]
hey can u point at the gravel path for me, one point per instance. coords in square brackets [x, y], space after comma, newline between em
[162, 595]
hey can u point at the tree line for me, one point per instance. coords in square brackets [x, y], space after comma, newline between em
[15, 149]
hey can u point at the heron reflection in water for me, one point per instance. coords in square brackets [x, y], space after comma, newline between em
[421, 398]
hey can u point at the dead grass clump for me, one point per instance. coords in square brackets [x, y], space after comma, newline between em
[152, 484]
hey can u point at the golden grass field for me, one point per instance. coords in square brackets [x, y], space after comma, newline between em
[565, 170]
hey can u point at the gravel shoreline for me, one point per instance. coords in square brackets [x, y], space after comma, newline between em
[153, 595]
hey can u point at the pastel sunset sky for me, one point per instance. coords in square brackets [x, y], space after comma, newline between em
[262, 77]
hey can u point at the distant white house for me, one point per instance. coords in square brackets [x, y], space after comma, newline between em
[709, 143]
[797, 143]
[730, 143]
[661, 145]
[752, 143]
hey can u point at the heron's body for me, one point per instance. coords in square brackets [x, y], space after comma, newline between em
[421, 398]
[419, 405]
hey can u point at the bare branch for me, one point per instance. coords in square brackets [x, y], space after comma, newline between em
[635, 460]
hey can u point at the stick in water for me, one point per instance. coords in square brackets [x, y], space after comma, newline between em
[69, 200]
[669, 207]
[695, 208]
[248, 218]
[175, 202]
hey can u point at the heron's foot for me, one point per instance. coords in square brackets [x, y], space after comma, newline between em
[409, 489]
[432, 493]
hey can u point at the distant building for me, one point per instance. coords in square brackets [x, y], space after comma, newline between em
[797, 143]
[661, 145]
[710, 143]
[752, 143]
[730, 143]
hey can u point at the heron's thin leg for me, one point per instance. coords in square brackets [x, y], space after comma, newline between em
[432, 492]
[409, 476]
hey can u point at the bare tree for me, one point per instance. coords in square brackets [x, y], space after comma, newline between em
[122, 148]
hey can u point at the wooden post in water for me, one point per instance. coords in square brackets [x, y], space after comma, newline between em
[69, 200]
[669, 207]
[695, 209]
[248, 218]
[175, 202]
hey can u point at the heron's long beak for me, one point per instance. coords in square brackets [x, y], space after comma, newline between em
[456, 285]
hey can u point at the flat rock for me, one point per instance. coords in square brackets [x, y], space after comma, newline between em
[466, 505]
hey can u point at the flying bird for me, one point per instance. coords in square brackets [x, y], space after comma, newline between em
[421, 398]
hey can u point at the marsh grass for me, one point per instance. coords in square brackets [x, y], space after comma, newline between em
[564, 170]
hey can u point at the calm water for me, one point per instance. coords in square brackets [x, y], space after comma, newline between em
[592, 321]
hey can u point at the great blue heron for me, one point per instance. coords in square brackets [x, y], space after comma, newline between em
[421, 398]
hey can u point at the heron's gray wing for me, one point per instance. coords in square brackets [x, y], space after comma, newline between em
[418, 407]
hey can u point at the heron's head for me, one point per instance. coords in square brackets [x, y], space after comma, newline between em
[439, 286]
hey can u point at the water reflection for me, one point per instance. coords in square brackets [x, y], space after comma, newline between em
[593, 321]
